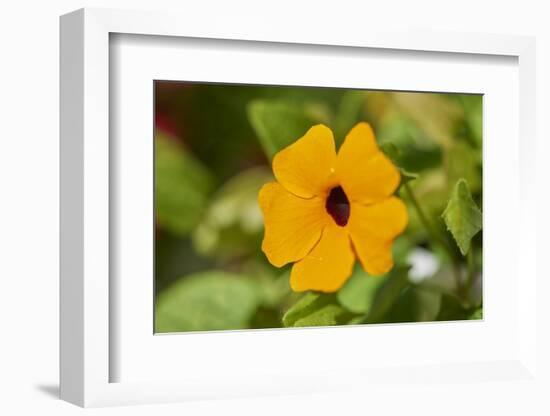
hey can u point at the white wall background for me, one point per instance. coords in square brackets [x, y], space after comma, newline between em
[29, 183]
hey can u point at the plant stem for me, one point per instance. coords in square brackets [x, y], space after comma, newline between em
[471, 270]
[435, 236]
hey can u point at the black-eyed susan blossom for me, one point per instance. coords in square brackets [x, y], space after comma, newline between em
[327, 208]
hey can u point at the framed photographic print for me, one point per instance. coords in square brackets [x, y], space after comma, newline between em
[268, 196]
[279, 213]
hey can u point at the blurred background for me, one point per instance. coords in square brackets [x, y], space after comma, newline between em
[213, 146]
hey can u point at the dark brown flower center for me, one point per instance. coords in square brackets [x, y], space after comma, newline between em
[337, 206]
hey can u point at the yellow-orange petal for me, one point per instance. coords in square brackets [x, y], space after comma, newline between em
[306, 166]
[373, 228]
[365, 173]
[327, 267]
[293, 225]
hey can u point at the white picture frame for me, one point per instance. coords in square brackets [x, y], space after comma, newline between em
[90, 314]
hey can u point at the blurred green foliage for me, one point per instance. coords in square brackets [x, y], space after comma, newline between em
[232, 224]
[213, 146]
[278, 123]
[182, 186]
[211, 300]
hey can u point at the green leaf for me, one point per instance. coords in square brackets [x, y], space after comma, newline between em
[358, 293]
[182, 186]
[315, 309]
[462, 216]
[278, 123]
[205, 301]
[407, 176]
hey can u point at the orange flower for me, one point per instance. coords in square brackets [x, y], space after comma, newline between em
[326, 208]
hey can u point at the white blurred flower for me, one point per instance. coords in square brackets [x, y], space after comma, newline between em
[424, 264]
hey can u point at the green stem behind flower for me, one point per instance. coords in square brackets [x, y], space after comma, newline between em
[471, 271]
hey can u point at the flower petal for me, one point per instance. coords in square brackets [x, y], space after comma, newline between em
[293, 225]
[365, 173]
[327, 267]
[305, 167]
[373, 229]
